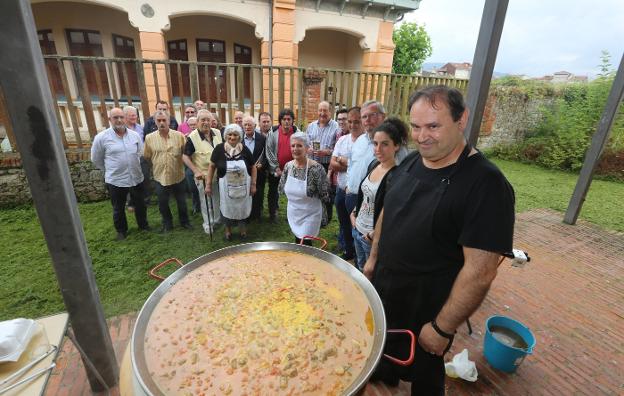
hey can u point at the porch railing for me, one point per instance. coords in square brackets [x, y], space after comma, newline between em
[86, 88]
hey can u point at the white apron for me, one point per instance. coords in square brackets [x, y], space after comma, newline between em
[235, 201]
[304, 213]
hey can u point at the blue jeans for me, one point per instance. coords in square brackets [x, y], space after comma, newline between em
[350, 202]
[362, 248]
[344, 237]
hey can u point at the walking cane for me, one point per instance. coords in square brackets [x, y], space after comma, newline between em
[207, 210]
[212, 210]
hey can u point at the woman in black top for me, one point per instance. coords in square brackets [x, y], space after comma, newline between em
[388, 138]
[237, 179]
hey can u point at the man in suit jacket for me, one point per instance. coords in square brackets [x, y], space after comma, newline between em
[256, 143]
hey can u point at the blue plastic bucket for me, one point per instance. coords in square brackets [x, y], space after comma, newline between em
[501, 355]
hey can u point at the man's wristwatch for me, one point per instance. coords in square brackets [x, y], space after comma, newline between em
[441, 332]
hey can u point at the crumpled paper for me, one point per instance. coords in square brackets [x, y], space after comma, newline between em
[462, 367]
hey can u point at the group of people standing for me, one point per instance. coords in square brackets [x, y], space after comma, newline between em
[220, 167]
[427, 227]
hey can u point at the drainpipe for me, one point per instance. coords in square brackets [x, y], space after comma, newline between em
[271, 33]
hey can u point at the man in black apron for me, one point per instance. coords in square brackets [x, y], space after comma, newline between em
[447, 216]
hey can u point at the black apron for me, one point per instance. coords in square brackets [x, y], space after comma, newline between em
[412, 298]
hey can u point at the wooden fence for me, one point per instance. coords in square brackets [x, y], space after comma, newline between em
[86, 88]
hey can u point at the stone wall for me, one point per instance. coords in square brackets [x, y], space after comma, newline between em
[14, 190]
[509, 114]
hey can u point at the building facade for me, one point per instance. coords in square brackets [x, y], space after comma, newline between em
[338, 34]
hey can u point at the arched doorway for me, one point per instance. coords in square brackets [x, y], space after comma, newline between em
[328, 48]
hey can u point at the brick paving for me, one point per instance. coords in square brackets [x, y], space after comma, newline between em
[570, 295]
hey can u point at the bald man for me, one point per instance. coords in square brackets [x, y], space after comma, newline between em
[117, 151]
[238, 118]
[322, 135]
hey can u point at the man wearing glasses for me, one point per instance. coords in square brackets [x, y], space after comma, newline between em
[362, 152]
[189, 112]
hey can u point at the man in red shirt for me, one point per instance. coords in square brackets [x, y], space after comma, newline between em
[278, 154]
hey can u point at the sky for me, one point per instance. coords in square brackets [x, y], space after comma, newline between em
[539, 37]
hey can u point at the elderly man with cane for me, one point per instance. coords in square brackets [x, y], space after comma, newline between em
[197, 151]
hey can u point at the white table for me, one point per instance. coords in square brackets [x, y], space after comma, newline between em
[55, 327]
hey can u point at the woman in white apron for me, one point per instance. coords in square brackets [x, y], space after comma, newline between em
[237, 180]
[304, 182]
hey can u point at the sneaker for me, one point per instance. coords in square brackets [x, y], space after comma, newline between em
[187, 226]
[121, 236]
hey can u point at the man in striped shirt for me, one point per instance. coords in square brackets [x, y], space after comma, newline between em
[322, 137]
[164, 150]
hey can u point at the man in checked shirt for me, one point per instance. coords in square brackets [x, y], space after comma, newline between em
[322, 137]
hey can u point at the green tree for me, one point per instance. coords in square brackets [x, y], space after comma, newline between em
[413, 46]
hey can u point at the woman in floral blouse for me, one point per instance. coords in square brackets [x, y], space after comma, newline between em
[304, 182]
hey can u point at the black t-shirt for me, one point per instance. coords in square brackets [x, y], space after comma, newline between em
[219, 158]
[476, 211]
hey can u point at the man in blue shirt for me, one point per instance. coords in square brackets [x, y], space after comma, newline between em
[362, 152]
[322, 135]
[117, 151]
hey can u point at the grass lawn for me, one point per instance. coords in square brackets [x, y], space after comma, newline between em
[29, 287]
[536, 187]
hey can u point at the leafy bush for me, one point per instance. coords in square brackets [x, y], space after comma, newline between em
[563, 136]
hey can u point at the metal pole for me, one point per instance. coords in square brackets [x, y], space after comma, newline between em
[598, 143]
[490, 32]
[31, 112]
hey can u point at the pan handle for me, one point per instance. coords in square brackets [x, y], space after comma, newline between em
[412, 348]
[323, 241]
[152, 272]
